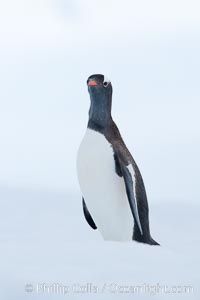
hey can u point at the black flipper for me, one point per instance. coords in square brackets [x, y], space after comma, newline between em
[88, 216]
[137, 198]
[130, 195]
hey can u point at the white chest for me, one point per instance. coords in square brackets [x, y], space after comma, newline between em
[103, 190]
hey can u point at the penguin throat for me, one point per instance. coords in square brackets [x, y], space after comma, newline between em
[99, 113]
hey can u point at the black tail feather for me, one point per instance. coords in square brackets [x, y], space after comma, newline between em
[145, 239]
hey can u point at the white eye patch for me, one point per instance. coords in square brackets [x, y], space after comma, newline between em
[106, 79]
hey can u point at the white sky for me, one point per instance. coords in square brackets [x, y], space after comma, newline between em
[149, 50]
[44, 22]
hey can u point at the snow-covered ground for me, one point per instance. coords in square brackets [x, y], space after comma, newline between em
[48, 251]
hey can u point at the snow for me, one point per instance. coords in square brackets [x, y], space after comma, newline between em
[45, 240]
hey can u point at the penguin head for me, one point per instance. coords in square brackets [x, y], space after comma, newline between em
[100, 90]
[99, 85]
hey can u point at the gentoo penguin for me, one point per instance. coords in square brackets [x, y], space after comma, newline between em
[114, 197]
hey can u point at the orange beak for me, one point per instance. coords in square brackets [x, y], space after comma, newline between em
[92, 83]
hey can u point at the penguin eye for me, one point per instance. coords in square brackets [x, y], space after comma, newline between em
[105, 83]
